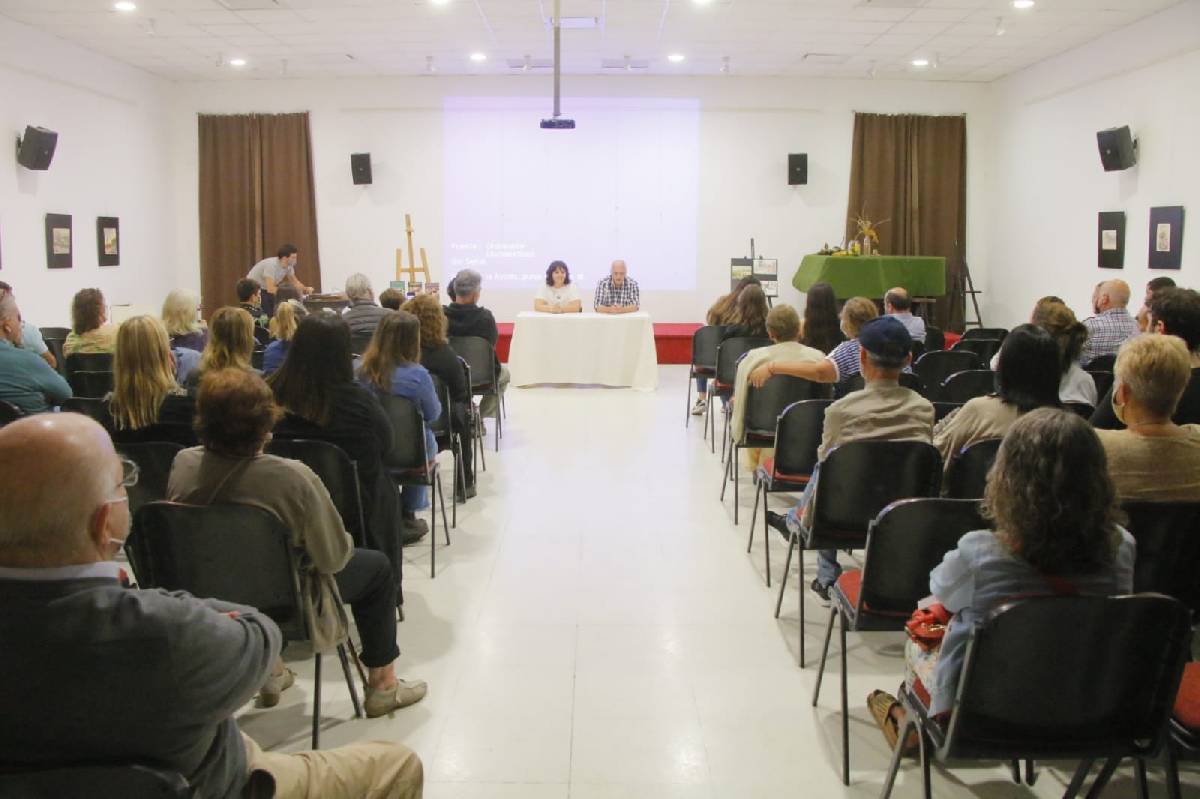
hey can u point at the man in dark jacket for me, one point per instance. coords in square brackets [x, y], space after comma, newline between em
[467, 317]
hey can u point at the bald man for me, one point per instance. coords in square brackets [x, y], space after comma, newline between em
[26, 380]
[898, 304]
[93, 672]
[617, 293]
[1112, 324]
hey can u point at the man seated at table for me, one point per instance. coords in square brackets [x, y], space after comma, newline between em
[897, 304]
[26, 380]
[617, 293]
[1111, 325]
[559, 295]
[466, 317]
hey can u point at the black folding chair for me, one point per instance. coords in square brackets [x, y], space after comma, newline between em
[986, 332]
[88, 781]
[1168, 548]
[444, 435]
[360, 341]
[55, 338]
[237, 553]
[729, 352]
[56, 333]
[338, 473]
[1038, 682]
[857, 480]
[1103, 381]
[1101, 363]
[94, 408]
[935, 339]
[936, 365]
[797, 437]
[763, 407]
[410, 463]
[943, 409]
[962, 386]
[704, 360]
[9, 412]
[984, 349]
[90, 384]
[1081, 409]
[87, 362]
[154, 460]
[256, 357]
[966, 476]
[905, 542]
[856, 383]
[480, 355]
[474, 423]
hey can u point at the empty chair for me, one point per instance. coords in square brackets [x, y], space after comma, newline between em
[966, 475]
[1168, 548]
[481, 357]
[729, 353]
[56, 333]
[986, 332]
[984, 349]
[936, 365]
[90, 384]
[338, 473]
[962, 386]
[704, 360]
[154, 460]
[409, 463]
[85, 782]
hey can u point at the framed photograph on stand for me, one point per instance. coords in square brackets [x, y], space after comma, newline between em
[1110, 246]
[108, 240]
[58, 241]
[1166, 237]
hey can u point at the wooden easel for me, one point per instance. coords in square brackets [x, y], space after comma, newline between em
[412, 268]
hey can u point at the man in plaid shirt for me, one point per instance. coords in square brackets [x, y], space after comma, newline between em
[617, 293]
[1112, 324]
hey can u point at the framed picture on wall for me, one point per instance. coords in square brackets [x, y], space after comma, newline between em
[1166, 237]
[58, 241]
[108, 240]
[1110, 245]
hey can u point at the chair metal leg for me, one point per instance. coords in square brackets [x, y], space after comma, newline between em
[897, 754]
[733, 467]
[688, 406]
[316, 720]
[846, 710]
[460, 474]
[924, 743]
[800, 565]
[1015, 765]
[766, 540]
[724, 479]
[1106, 772]
[1077, 779]
[358, 666]
[753, 518]
[341, 650]
[1030, 772]
[1172, 757]
[833, 613]
[787, 564]
[498, 425]
[1139, 768]
[432, 535]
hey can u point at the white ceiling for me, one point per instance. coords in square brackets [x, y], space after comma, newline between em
[190, 39]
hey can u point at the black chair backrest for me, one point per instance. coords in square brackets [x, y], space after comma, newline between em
[90, 384]
[1081, 409]
[857, 383]
[441, 426]
[256, 357]
[935, 339]
[731, 351]
[963, 386]
[54, 333]
[704, 346]
[861, 478]
[237, 553]
[966, 476]
[480, 356]
[918, 349]
[1103, 381]
[765, 404]
[799, 435]
[936, 365]
[84, 782]
[338, 473]
[92, 407]
[986, 332]
[262, 337]
[408, 433]
[359, 341]
[910, 380]
[1168, 548]
[9, 412]
[984, 349]
[905, 542]
[1040, 677]
[173, 432]
[89, 362]
[1101, 363]
[154, 460]
[943, 409]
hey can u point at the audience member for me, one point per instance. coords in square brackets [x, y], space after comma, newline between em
[559, 295]
[1143, 314]
[1054, 512]
[1074, 385]
[1152, 458]
[1112, 324]
[235, 413]
[62, 604]
[145, 392]
[287, 293]
[466, 317]
[617, 293]
[750, 313]
[883, 411]
[1027, 378]
[821, 329]
[250, 299]
[1173, 312]
[90, 331]
[230, 344]
[724, 310]
[392, 365]
[392, 299]
[26, 380]
[439, 359]
[363, 315]
[842, 363]
[31, 336]
[896, 303]
[179, 316]
[288, 315]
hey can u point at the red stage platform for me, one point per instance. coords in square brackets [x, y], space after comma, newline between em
[672, 340]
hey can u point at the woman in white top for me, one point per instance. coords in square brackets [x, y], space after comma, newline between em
[559, 295]
[1053, 316]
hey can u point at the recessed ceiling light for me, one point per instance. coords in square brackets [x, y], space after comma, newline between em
[125, 5]
[675, 58]
[702, 2]
[920, 62]
[1022, 4]
[440, 2]
[237, 62]
[478, 57]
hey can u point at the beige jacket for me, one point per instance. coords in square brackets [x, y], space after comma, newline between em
[979, 418]
[784, 352]
[1154, 468]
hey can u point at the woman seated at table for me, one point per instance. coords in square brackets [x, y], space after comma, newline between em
[559, 295]
[145, 393]
[1054, 511]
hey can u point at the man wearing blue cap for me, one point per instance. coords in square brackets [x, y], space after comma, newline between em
[883, 410]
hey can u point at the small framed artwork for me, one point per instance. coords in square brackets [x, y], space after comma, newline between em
[1110, 246]
[58, 241]
[108, 240]
[1166, 237]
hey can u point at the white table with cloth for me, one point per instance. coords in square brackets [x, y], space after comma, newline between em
[584, 348]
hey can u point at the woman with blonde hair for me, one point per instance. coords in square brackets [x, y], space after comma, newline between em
[1075, 385]
[230, 344]
[144, 392]
[183, 326]
[288, 315]
[90, 331]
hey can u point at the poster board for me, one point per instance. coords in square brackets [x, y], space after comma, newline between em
[766, 270]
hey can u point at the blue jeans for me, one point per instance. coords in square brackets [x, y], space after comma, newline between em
[828, 568]
[414, 498]
[701, 385]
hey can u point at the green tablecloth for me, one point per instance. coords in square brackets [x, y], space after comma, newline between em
[872, 275]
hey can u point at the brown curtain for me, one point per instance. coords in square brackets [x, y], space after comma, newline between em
[256, 193]
[912, 171]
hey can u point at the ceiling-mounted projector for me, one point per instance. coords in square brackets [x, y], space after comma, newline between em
[558, 123]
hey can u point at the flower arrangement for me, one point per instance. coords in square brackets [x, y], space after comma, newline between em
[867, 233]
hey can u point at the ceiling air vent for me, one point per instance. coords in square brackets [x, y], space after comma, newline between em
[625, 64]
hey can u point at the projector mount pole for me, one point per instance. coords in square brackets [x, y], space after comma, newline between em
[557, 58]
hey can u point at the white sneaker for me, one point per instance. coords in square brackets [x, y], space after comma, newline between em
[700, 406]
[276, 684]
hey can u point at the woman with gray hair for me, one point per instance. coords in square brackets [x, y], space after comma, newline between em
[364, 313]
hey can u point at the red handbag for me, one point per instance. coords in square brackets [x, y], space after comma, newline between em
[927, 625]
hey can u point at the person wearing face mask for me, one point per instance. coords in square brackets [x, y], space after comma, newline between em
[93, 671]
[26, 380]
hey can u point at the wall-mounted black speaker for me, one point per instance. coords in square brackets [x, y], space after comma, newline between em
[798, 169]
[1118, 149]
[35, 150]
[360, 168]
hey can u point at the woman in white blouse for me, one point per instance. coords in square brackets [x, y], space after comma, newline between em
[559, 295]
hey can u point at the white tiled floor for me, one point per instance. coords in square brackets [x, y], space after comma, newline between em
[597, 631]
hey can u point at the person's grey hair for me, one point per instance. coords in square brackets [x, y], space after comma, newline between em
[8, 306]
[358, 287]
[467, 283]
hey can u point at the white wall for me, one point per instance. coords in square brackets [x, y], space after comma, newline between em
[112, 160]
[1047, 183]
[747, 128]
